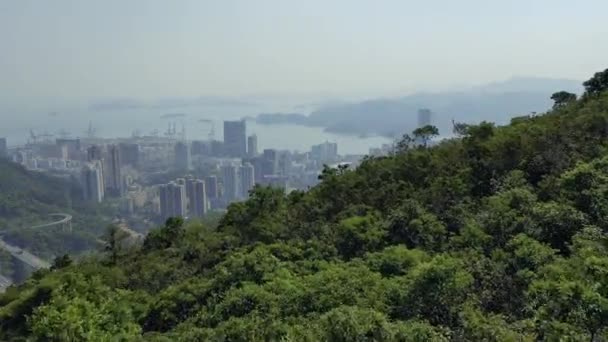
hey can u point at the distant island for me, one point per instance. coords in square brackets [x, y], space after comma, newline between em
[391, 117]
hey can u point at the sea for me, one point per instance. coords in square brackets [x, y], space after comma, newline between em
[198, 122]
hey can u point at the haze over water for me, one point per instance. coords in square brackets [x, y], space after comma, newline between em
[121, 123]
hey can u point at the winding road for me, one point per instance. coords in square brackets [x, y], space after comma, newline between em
[27, 257]
[65, 219]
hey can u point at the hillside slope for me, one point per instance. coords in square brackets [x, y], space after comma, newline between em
[499, 235]
[23, 191]
[28, 197]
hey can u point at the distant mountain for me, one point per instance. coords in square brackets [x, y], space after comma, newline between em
[282, 118]
[497, 102]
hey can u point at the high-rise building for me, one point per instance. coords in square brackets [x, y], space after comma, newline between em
[270, 162]
[230, 182]
[252, 146]
[173, 200]
[129, 153]
[182, 156]
[3, 148]
[179, 199]
[197, 199]
[166, 201]
[114, 184]
[72, 146]
[217, 148]
[284, 163]
[200, 148]
[92, 182]
[424, 117]
[247, 179]
[258, 165]
[235, 138]
[47, 150]
[94, 152]
[326, 152]
[211, 188]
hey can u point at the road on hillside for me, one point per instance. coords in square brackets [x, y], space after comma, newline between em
[24, 256]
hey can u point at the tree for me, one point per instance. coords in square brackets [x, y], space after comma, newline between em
[597, 84]
[412, 225]
[562, 98]
[425, 134]
[115, 238]
[404, 143]
[85, 310]
[555, 224]
[459, 128]
[359, 234]
[571, 303]
[395, 260]
[345, 324]
[166, 236]
[61, 262]
[435, 291]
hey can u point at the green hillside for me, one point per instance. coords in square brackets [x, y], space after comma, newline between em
[27, 198]
[499, 235]
[23, 192]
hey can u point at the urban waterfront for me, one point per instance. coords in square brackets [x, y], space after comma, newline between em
[196, 165]
[123, 123]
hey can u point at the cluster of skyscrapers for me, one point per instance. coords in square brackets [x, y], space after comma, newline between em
[232, 168]
[214, 173]
[183, 197]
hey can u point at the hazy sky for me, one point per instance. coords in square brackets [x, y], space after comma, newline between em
[75, 49]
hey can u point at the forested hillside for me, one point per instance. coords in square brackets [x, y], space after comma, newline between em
[27, 198]
[499, 235]
[23, 192]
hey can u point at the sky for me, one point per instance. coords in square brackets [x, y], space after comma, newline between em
[83, 49]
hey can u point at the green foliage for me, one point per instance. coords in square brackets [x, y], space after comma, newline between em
[597, 84]
[412, 225]
[359, 234]
[562, 98]
[425, 134]
[499, 235]
[395, 260]
[27, 198]
[156, 239]
[84, 309]
[435, 290]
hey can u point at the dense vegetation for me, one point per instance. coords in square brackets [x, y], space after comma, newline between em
[499, 235]
[27, 198]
